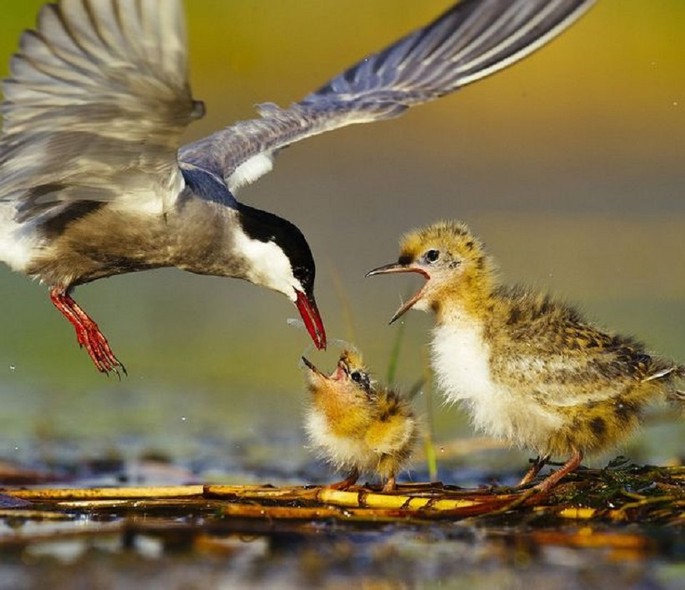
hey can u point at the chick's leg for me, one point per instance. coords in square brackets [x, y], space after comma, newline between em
[551, 480]
[348, 482]
[390, 485]
[535, 468]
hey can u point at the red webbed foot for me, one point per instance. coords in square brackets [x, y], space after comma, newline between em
[88, 334]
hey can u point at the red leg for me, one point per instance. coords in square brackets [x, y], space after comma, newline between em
[551, 480]
[531, 474]
[348, 482]
[87, 332]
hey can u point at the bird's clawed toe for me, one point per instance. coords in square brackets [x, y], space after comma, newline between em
[101, 354]
[88, 333]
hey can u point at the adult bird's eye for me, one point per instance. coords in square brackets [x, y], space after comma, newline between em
[431, 255]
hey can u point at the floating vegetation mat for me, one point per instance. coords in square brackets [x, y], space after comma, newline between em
[605, 503]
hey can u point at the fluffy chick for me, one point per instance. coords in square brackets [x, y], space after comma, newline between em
[356, 425]
[527, 368]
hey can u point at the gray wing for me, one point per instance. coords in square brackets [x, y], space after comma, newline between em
[95, 106]
[471, 40]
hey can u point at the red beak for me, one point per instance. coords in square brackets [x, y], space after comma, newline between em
[311, 318]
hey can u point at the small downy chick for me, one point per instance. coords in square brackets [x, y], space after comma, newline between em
[357, 425]
[527, 368]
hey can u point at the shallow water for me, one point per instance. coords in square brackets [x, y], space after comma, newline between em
[173, 442]
[335, 559]
[189, 551]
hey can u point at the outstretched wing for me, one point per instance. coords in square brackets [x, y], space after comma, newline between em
[471, 40]
[95, 106]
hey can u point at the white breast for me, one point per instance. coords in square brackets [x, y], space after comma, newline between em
[345, 453]
[461, 361]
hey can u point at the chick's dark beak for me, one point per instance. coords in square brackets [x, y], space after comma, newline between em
[393, 267]
[306, 305]
[310, 366]
[341, 371]
[397, 267]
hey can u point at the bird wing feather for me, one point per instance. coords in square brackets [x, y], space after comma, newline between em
[552, 353]
[94, 107]
[471, 40]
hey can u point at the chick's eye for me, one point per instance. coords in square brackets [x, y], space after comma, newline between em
[361, 379]
[431, 255]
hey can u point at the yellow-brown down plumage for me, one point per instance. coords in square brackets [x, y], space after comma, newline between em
[356, 425]
[526, 367]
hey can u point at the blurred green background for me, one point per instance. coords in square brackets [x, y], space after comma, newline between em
[569, 165]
